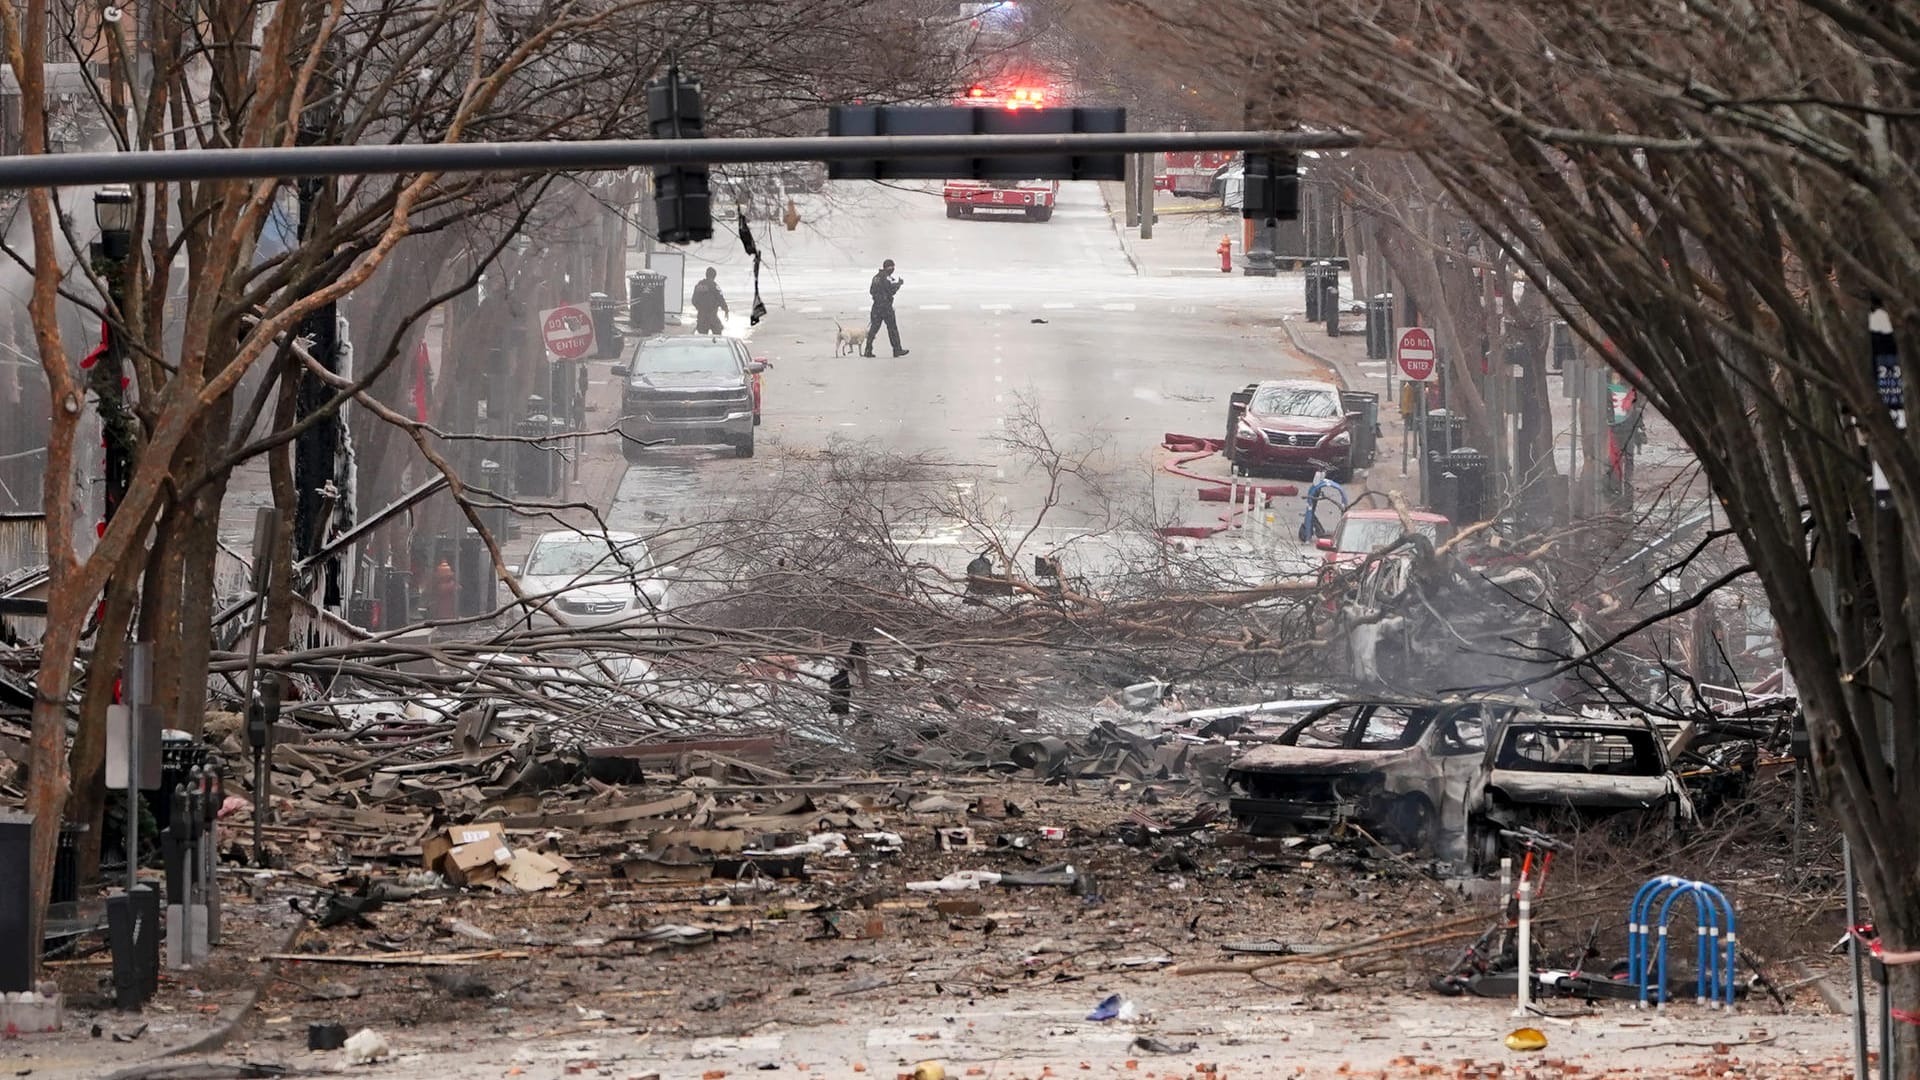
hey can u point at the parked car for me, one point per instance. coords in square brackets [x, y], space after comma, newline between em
[1406, 770]
[691, 391]
[593, 579]
[1365, 531]
[1298, 425]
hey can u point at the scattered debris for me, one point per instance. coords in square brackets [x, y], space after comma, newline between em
[366, 1046]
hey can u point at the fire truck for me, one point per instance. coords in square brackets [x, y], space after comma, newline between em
[1189, 173]
[1033, 198]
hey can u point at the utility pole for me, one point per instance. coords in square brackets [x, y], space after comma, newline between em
[317, 449]
[1143, 186]
[1131, 183]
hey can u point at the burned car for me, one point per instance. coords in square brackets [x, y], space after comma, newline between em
[1449, 777]
[1404, 770]
[1555, 771]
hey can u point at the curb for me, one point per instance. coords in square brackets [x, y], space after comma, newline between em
[1334, 368]
[230, 1024]
[1119, 233]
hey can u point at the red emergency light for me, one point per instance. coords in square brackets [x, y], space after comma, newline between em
[976, 91]
[1026, 97]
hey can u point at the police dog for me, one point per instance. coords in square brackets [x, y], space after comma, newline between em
[849, 340]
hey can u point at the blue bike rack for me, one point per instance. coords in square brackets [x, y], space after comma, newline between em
[1716, 948]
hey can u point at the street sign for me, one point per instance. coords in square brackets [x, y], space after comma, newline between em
[1415, 354]
[568, 332]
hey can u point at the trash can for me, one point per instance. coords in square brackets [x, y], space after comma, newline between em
[606, 334]
[396, 597]
[475, 575]
[1380, 327]
[66, 863]
[1236, 408]
[1366, 430]
[16, 901]
[1444, 431]
[1317, 275]
[1330, 304]
[1472, 486]
[534, 470]
[647, 302]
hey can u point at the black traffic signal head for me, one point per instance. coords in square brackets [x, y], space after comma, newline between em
[674, 109]
[682, 199]
[1271, 187]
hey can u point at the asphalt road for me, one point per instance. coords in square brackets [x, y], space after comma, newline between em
[1006, 319]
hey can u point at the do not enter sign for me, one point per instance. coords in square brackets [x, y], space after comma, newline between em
[568, 331]
[1415, 354]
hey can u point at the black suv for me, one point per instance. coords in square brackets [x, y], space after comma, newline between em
[692, 391]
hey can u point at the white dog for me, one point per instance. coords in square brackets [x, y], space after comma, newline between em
[848, 341]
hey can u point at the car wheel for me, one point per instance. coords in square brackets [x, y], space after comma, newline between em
[966, 211]
[744, 448]
[953, 210]
[1043, 214]
[1410, 821]
[756, 419]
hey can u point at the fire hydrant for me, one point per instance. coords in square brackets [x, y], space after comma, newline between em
[445, 602]
[1226, 253]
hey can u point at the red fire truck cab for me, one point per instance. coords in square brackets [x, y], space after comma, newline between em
[1033, 198]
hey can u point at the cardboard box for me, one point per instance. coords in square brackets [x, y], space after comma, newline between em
[467, 853]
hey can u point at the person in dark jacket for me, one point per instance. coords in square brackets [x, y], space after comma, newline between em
[884, 285]
[708, 303]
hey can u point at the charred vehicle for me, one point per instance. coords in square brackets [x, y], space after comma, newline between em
[1552, 771]
[1409, 770]
[1449, 777]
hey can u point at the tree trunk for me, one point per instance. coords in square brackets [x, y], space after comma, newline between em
[199, 541]
[87, 764]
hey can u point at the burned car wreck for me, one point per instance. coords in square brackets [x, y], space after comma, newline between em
[1448, 777]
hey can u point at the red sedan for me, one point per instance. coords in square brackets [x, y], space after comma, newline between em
[1296, 425]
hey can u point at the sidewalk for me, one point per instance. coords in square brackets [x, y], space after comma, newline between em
[1185, 237]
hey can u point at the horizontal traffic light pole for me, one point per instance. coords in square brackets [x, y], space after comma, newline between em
[161, 166]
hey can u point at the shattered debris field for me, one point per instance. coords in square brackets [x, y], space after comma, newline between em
[720, 920]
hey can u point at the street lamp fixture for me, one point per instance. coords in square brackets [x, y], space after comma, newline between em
[113, 212]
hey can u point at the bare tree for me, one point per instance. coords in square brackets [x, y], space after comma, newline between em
[1721, 194]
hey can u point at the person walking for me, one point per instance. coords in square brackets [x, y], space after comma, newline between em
[884, 285]
[708, 302]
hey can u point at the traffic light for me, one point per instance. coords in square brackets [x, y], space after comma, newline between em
[680, 192]
[1271, 187]
[868, 120]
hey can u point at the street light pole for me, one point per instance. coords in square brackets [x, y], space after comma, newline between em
[106, 372]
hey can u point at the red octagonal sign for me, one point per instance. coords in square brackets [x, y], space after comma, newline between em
[1415, 354]
[568, 331]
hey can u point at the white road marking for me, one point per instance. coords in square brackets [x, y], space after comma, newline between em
[1376, 374]
[1183, 309]
[1373, 363]
[812, 309]
[1117, 307]
[999, 378]
[1058, 306]
[936, 307]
